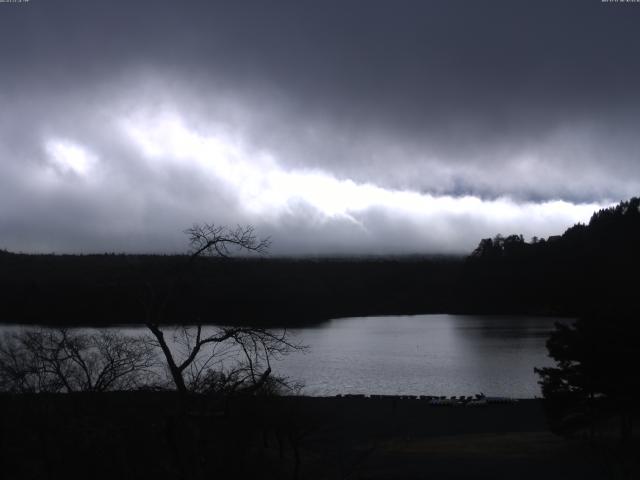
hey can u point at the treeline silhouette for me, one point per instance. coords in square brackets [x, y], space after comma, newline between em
[594, 386]
[588, 269]
[109, 289]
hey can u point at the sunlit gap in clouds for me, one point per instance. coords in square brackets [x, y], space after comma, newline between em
[69, 157]
[268, 191]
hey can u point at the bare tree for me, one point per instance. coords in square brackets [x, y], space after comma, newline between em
[60, 360]
[205, 240]
[228, 359]
[221, 241]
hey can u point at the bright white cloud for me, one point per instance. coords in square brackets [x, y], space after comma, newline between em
[130, 175]
[69, 157]
[268, 192]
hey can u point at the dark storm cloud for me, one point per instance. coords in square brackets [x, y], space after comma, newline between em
[528, 101]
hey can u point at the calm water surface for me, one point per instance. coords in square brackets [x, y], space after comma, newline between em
[422, 354]
[417, 355]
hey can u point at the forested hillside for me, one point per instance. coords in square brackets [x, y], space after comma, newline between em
[589, 269]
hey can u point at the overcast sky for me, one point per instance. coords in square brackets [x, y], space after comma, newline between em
[334, 127]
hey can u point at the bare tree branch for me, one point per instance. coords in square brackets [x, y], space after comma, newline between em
[219, 241]
[225, 359]
[55, 360]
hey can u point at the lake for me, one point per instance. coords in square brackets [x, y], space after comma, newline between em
[422, 355]
[416, 355]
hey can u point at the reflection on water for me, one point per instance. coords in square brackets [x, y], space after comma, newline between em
[423, 354]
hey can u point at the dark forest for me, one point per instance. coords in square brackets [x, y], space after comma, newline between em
[587, 269]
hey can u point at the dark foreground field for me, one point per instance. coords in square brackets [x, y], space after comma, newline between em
[143, 434]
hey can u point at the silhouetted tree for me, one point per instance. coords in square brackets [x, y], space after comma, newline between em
[588, 269]
[61, 360]
[595, 373]
[223, 359]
